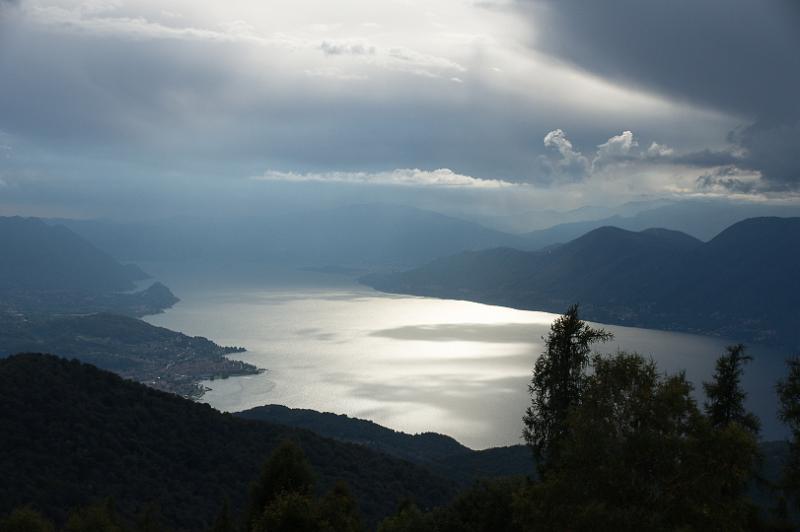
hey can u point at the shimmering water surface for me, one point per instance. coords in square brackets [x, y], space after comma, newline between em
[410, 363]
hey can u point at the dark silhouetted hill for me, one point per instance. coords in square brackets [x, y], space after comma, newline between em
[72, 433]
[440, 453]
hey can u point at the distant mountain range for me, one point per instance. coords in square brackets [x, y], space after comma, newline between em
[380, 236]
[703, 219]
[358, 236]
[48, 269]
[38, 256]
[742, 284]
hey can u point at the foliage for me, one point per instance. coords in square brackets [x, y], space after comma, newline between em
[640, 455]
[288, 512]
[487, 505]
[636, 453]
[726, 397]
[94, 518]
[286, 471]
[339, 510]
[408, 518]
[789, 412]
[557, 383]
[224, 521]
[25, 519]
[73, 434]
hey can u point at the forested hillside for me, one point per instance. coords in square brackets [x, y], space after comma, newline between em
[73, 434]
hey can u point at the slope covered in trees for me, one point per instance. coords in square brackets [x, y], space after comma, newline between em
[742, 283]
[440, 453]
[73, 434]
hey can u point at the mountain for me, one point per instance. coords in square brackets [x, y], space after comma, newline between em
[73, 434]
[38, 256]
[537, 219]
[360, 236]
[742, 283]
[442, 454]
[605, 264]
[48, 269]
[702, 219]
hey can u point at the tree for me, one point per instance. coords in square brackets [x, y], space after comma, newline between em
[149, 519]
[486, 505]
[25, 520]
[408, 518]
[95, 518]
[725, 395]
[224, 521]
[557, 381]
[339, 510]
[286, 471]
[639, 455]
[789, 412]
[289, 511]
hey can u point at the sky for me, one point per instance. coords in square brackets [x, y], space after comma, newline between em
[136, 109]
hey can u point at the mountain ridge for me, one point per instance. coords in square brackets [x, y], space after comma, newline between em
[741, 283]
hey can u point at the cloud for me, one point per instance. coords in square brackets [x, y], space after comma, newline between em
[730, 179]
[116, 94]
[620, 162]
[657, 150]
[346, 48]
[564, 162]
[748, 66]
[414, 177]
[618, 148]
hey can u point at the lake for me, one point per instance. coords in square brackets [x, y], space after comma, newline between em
[409, 363]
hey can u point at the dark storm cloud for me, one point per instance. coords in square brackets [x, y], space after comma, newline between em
[737, 56]
[726, 178]
[705, 158]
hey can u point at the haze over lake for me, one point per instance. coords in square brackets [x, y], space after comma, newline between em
[410, 363]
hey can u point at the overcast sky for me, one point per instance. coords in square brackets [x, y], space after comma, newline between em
[142, 108]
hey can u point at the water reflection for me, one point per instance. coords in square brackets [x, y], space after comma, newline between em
[503, 333]
[410, 363]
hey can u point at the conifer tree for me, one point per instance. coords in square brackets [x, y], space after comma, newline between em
[286, 471]
[558, 377]
[224, 521]
[789, 412]
[339, 510]
[725, 404]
